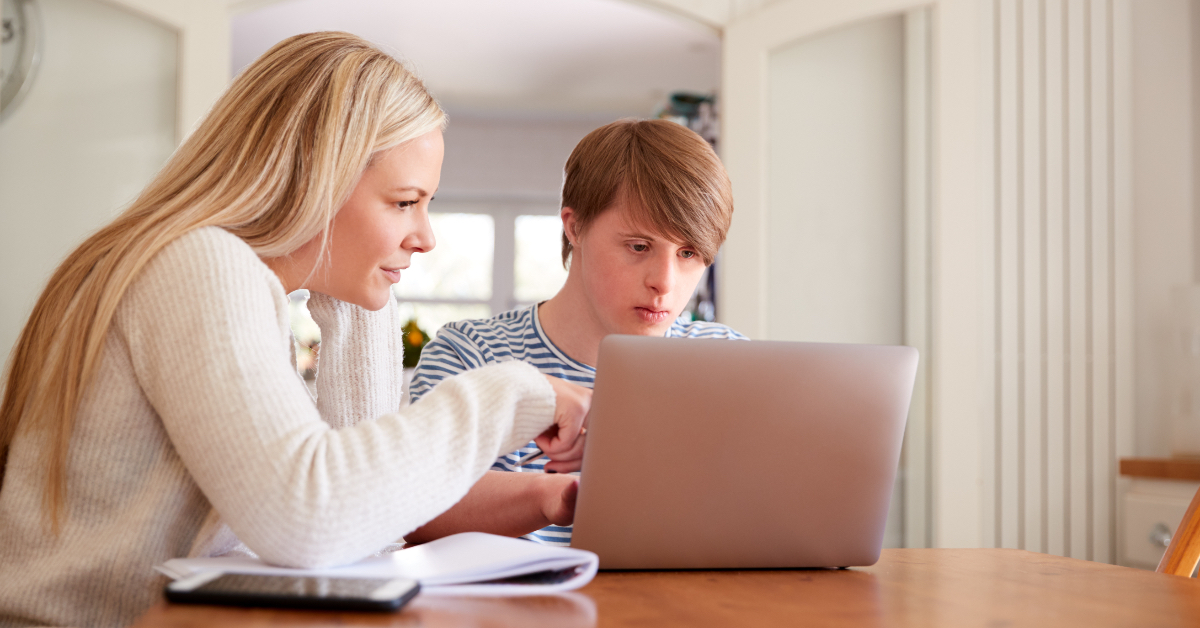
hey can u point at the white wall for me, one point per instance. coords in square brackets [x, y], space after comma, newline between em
[96, 124]
[1163, 200]
[122, 81]
[508, 156]
[836, 189]
[203, 50]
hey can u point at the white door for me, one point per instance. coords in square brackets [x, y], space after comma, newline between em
[116, 85]
[827, 136]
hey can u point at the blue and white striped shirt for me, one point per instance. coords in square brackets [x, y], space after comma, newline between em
[518, 335]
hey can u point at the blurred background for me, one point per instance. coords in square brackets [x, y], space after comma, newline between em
[1006, 185]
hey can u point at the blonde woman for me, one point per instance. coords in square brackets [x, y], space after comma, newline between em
[152, 408]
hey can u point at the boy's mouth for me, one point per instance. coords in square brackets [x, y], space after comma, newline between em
[651, 315]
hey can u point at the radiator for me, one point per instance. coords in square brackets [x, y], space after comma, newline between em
[1057, 307]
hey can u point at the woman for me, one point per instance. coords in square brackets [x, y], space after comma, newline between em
[152, 408]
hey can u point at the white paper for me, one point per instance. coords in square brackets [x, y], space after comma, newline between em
[454, 565]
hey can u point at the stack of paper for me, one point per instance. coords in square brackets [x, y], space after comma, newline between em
[470, 563]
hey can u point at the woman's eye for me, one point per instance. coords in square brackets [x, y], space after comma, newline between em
[405, 204]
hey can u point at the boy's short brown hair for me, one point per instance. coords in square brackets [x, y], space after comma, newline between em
[666, 171]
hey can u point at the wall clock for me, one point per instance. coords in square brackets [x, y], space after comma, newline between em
[19, 52]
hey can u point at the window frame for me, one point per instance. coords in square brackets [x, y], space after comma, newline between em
[504, 210]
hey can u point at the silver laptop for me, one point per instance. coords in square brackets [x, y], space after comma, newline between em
[706, 454]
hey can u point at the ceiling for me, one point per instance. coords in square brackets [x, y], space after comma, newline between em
[557, 58]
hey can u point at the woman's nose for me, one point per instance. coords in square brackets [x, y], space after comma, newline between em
[421, 240]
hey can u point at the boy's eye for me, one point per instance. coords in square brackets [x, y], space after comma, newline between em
[686, 254]
[639, 247]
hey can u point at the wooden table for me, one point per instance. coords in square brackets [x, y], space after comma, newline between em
[988, 588]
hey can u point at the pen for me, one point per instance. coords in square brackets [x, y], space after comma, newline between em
[530, 457]
[538, 453]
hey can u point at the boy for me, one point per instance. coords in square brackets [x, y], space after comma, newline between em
[645, 207]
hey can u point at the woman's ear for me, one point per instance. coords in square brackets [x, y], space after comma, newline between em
[570, 225]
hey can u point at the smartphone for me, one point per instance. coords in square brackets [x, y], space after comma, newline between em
[319, 592]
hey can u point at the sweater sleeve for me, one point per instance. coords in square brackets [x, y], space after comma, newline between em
[360, 364]
[206, 326]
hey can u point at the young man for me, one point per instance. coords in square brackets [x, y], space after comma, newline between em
[645, 207]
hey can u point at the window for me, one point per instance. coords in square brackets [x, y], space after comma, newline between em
[454, 280]
[538, 267]
[491, 256]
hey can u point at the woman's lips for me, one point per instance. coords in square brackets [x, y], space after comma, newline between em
[651, 315]
[392, 273]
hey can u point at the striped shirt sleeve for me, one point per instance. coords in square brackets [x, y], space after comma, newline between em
[451, 352]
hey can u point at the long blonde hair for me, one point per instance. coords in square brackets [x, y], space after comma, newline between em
[271, 163]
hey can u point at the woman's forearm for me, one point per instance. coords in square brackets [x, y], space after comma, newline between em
[509, 504]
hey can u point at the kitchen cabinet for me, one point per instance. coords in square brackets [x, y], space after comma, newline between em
[1154, 497]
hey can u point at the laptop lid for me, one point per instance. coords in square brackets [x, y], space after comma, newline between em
[709, 454]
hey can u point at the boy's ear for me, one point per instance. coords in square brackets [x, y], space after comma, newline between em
[569, 225]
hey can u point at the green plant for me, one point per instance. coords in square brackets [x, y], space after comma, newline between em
[414, 340]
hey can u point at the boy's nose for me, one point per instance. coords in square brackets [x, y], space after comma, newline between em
[661, 278]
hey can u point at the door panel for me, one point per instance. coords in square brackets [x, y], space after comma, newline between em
[829, 238]
[98, 121]
[835, 187]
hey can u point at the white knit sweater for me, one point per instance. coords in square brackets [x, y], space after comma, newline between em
[198, 433]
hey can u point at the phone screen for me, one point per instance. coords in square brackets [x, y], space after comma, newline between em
[294, 591]
[299, 586]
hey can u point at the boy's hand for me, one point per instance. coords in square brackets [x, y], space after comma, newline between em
[563, 442]
[558, 503]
